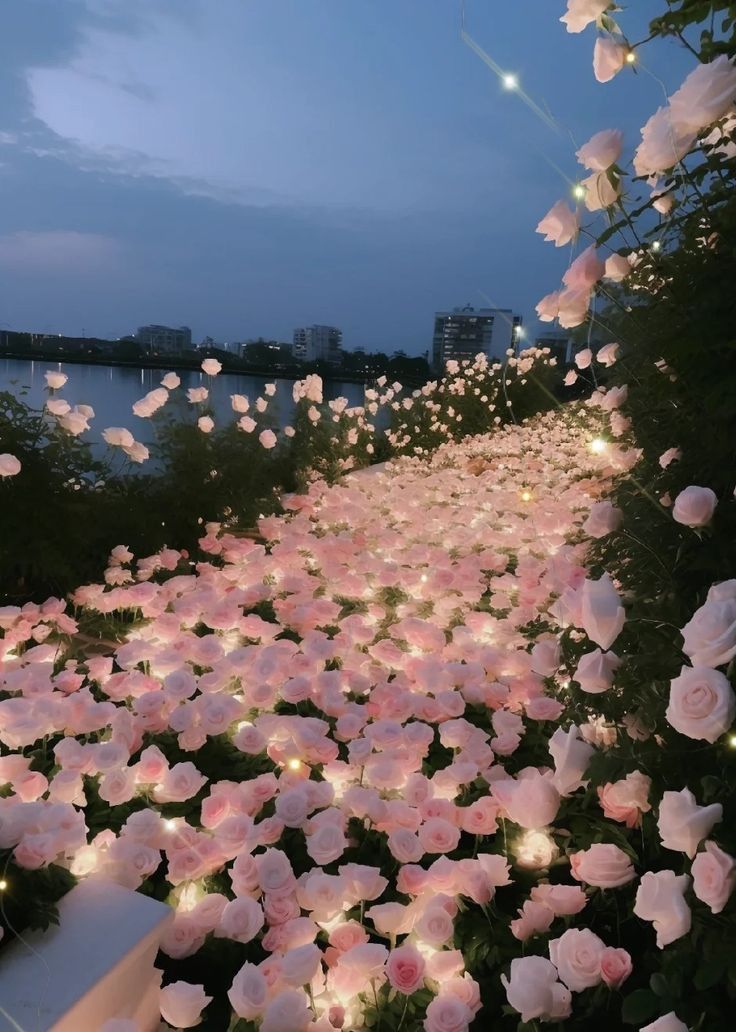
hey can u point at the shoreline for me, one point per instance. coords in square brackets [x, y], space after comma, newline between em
[179, 362]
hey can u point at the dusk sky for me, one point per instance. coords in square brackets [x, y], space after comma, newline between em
[248, 166]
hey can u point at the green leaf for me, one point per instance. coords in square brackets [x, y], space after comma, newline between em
[639, 1006]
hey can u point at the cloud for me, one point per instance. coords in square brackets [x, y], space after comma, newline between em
[61, 252]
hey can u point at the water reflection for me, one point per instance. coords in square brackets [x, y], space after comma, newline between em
[112, 390]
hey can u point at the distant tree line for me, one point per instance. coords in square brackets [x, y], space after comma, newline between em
[263, 357]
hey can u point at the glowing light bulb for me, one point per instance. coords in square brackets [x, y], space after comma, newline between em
[732, 741]
[510, 82]
[424, 578]
[597, 445]
[526, 496]
[630, 57]
[3, 885]
[170, 825]
[578, 191]
[656, 246]
[294, 764]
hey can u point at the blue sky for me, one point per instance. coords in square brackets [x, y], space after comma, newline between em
[247, 166]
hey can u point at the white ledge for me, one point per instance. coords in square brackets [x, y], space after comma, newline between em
[95, 965]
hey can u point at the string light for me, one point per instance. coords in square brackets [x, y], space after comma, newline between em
[630, 57]
[3, 885]
[578, 191]
[510, 82]
[732, 741]
[294, 764]
[170, 825]
[526, 496]
[656, 246]
[597, 445]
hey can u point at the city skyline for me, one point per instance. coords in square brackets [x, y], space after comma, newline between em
[177, 161]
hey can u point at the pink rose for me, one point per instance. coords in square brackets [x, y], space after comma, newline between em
[249, 992]
[480, 817]
[274, 873]
[534, 919]
[616, 966]
[706, 95]
[299, 966]
[267, 439]
[603, 518]
[710, 636]
[183, 937]
[532, 801]
[714, 877]
[571, 756]
[180, 783]
[289, 1011]
[603, 865]
[694, 506]
[562, 900]
[660, 898]
[580, 13]
[438, 836]
[447, 1013]
[560, 225]
[702, 704]
[405, 969]
[118, 786]
[626, 800]
[669, 456]
[617, 268]
[466, 989]
[326, 844]
[242, 920]
[211, 366]
[572, 306]
[601, 613]
[182, 1004]
[683, 824]
[405, 846]
[585, 271]
[663, 144]
[532, 989]
[602, 150]
[435, 926]
[595, 671]
[548, 308]
[609, 58]
[577, 956]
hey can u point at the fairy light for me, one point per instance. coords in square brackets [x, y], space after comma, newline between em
[630, 57]
[3, 885]
[656, 246]
[732, 741]
[598, 445]
[510, 82]
[578, 191]
[526, 496]
[294, 764]
[170, 825]
[424, 578]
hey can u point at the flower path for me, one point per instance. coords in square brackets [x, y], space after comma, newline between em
[340, 756]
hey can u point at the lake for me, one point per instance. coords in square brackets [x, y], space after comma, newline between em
[112, 390]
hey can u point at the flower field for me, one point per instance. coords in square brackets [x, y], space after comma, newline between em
[366, 762]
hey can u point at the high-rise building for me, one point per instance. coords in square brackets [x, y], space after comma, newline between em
[318, 344]
[159, 340]
[467, 332]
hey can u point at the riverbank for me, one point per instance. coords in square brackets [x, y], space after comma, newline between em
[181, 363]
